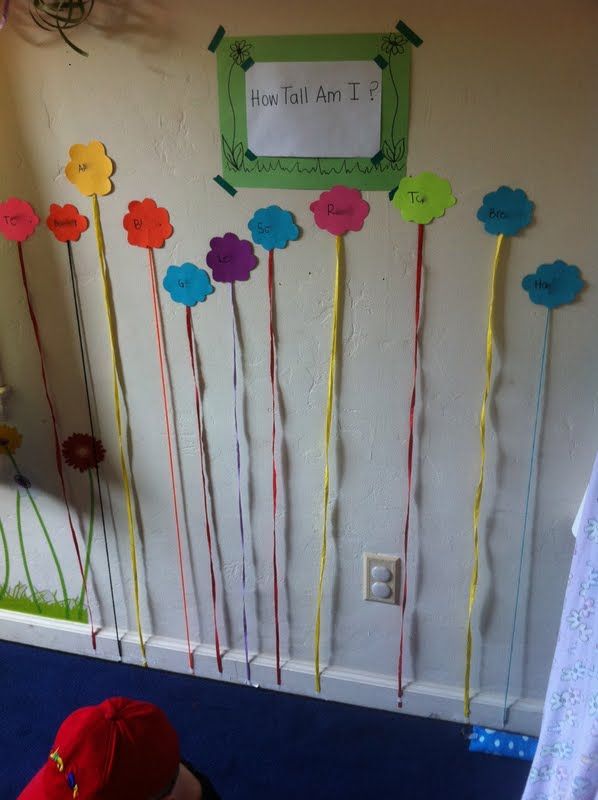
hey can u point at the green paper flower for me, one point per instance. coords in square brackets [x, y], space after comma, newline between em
[423, 197]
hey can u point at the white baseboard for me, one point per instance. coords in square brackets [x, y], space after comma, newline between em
[340, 685]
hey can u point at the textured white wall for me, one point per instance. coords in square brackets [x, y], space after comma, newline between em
[501, 93]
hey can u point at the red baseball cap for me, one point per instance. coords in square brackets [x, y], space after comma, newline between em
[118, 750]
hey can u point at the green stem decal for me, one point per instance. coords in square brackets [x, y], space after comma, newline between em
[24, 555]
[6, 561]
[394, 86]
[48, 540]
[88, 546]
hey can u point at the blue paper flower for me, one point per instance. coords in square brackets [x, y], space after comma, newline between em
[273, 228]
[187, 284]
[505, 211]
[553, 285]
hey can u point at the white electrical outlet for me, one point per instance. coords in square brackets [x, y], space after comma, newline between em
[381, 578]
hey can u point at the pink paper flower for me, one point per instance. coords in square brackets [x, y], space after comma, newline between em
[18, 220]
[339, 210]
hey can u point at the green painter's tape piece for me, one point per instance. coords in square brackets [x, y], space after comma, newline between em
[408, 33]
[225, 185]
[381, 61]
[216, 39]
[377, 158]
[250, 155]
[248, 64]
[392, 193]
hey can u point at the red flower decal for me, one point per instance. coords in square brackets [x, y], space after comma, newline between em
[18, 220]
[146, 224]
[81, 451]
[66, 223]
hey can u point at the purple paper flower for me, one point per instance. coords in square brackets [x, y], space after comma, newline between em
[230, 258]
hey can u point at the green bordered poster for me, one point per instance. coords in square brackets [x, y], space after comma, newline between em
[309, 112]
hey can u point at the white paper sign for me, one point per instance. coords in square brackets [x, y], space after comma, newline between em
[327, 109]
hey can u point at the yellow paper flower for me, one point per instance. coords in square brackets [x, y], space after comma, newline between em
[90, 168]
[10, 439]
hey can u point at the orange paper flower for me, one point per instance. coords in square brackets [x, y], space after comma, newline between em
[90, 168]
[146, 224]
[66, 223]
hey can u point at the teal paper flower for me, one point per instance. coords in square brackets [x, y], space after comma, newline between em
[423, 197]
[553, 285]
[273, 228]
[187, 284]
[505, 211]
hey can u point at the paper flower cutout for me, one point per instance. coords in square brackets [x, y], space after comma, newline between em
[147, 224]
[187, 284]
[339, 210]
[90, 168]
[81, 451]
[505, 211]
[66, 223]
[423, 197]
[273, 228]
[10, 440]
[18, 220]
[553, 285]
[230, 258]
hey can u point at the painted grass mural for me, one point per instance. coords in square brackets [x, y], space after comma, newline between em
[83, 453]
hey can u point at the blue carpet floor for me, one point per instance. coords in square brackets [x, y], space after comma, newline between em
[252, 743]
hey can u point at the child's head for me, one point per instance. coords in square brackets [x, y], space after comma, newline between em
[118, 750]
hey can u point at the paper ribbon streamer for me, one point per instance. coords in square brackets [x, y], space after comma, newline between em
[200, 434]
[527, 503]
[57, 451]
[503, 212]
[99, 234]
[273, 390]
[418, 288]
[473, 586]
[327, 428]
[175, 506]
[239, 494]
[78, 317]
[272, 228]
[420, 198]
[552, 285]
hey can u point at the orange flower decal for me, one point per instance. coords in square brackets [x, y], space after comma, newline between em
[90, 168]
[66, 223]
[146, 224]
[10, 439]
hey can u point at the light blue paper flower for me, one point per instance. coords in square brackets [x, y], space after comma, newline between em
[505, 211]
[273, 228]
[553, 285]
[187, 284]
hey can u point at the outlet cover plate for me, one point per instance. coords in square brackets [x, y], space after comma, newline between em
[393, 565]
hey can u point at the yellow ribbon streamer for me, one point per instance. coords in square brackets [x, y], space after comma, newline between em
[327, 427]
[473, 586]
[117, 415]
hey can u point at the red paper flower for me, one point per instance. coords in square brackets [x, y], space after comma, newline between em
[66, 223]
[81, 451]
[147, 224]
[18, 220]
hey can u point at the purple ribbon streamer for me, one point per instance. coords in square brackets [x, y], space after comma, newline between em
[4, 14]
[241, 526]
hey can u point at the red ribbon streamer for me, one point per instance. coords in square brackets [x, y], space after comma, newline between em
[152, 271]
[273, 386]
[418, 285]
[200, 433]
[57, 452]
